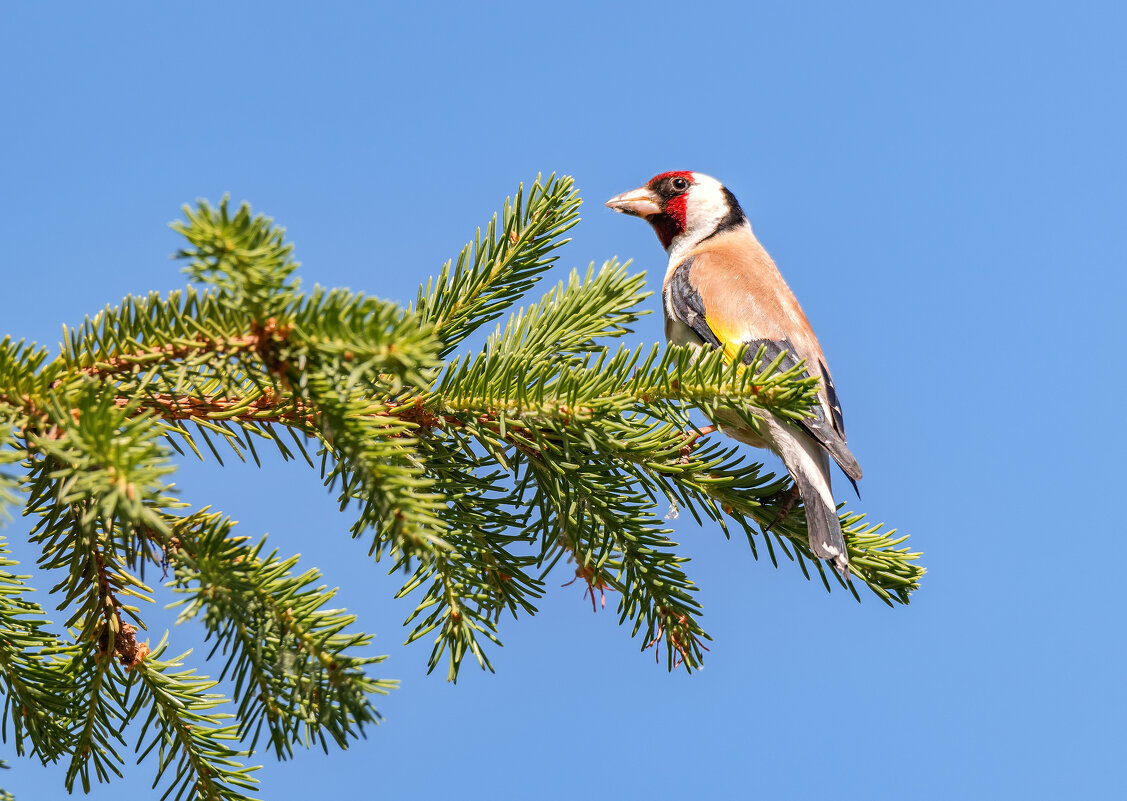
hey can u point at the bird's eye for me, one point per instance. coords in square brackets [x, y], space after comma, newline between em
[680, 184]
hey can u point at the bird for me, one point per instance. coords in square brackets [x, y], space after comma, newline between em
[723, 290]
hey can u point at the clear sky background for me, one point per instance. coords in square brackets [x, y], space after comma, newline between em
[943, 185]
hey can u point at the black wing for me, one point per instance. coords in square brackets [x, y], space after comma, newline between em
[816, 426]
[686, 303]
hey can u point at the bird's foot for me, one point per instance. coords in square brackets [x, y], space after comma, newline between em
[787, 499]
[690, 440]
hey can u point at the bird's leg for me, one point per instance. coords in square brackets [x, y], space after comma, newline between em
[786, 500]
[690, 439]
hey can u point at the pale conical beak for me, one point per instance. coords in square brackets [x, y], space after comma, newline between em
[638, 203]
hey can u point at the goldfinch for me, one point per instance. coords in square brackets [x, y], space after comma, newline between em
[722, 290]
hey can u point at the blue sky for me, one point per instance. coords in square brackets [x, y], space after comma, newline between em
[942, 186]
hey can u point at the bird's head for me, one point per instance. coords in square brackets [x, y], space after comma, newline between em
[682, 207]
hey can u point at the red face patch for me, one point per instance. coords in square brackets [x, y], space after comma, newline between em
[671, 222]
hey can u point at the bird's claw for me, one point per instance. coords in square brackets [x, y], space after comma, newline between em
[786, 500]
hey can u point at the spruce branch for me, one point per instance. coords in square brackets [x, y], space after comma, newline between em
[98, 478]
[185, 730]
[571, 318]
[95, 701]
[607, 525]
[495, 269]
[483, 573]
[474, 475]
[245, 257]
[31, 683]
[23, 380]
[294, 667]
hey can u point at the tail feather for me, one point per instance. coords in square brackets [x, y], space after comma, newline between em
[809, 466]
[822, 524]
[808, 463]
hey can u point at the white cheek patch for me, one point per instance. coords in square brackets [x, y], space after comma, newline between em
[707, 207]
